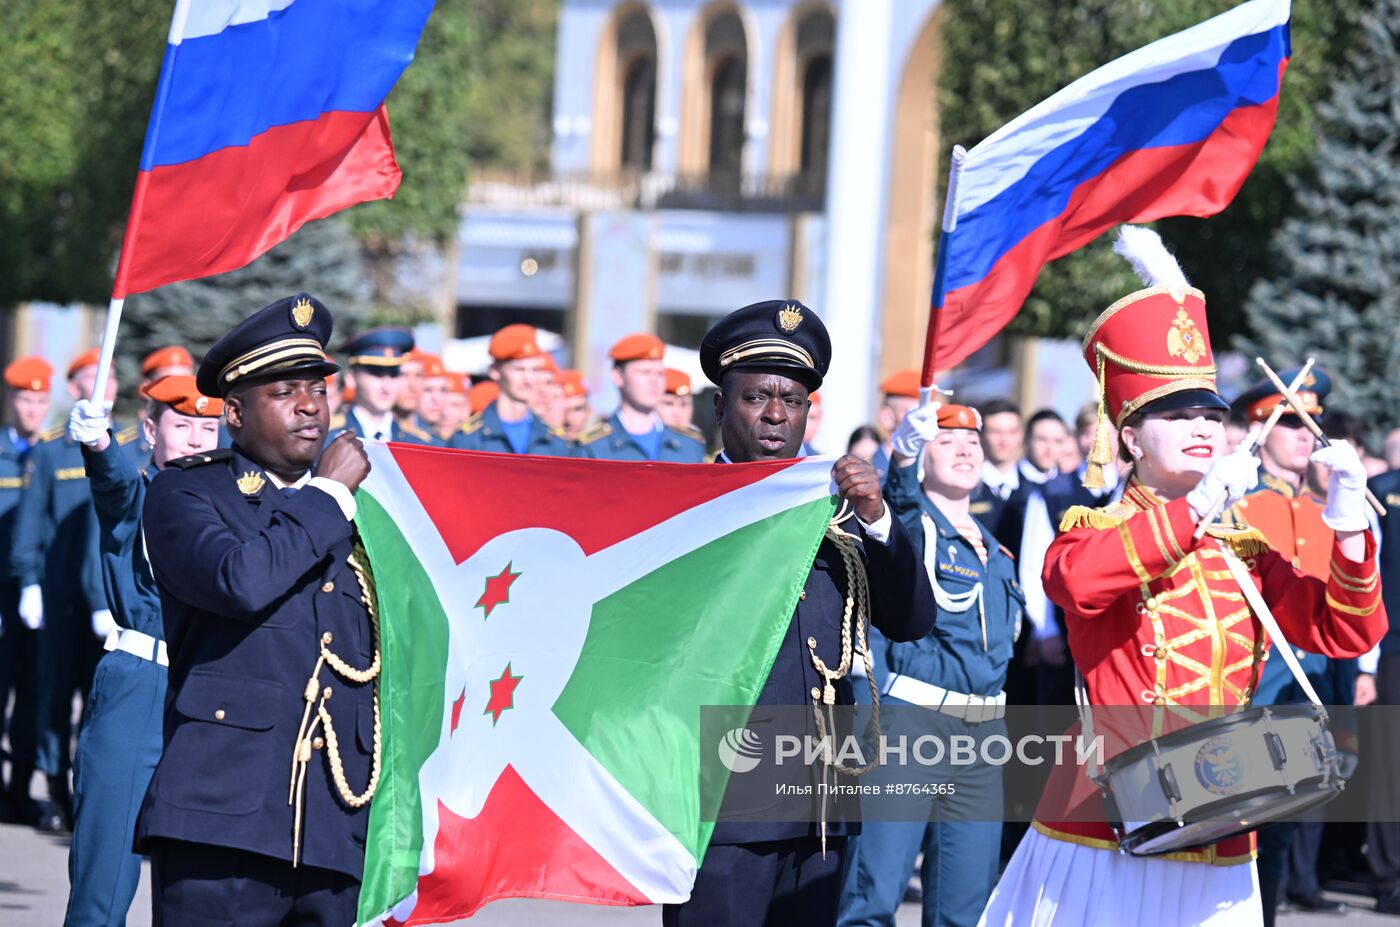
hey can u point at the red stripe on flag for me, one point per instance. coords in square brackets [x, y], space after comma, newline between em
[219, 212]
[1198, 179]
[473, 496]
[515, 848]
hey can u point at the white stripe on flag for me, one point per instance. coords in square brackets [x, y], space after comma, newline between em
[196, 18]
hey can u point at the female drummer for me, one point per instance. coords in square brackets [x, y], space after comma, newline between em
[1155, 617]
[956, 674]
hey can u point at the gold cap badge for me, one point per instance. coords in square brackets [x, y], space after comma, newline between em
[302, 312]
[1184, 339]
[789, 318]
[201, 404]
[251, 483]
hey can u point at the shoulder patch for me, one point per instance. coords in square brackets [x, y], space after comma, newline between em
[127, 434]
[53, 433]
[471, 425]
[595, 433]
[1081, 516]
[559, 433]
[691, 432]
[199, 460]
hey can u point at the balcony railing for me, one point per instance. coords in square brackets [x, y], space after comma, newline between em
[791, 193]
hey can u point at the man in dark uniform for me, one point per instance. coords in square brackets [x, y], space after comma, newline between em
[60, 574]
[507, 425]
[27, 380]
[636, 431]
[1383, 833]
[267, 602]
[375, 357]
[121, 736]
[766, 358]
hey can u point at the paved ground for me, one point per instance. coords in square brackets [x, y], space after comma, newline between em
[34, 890]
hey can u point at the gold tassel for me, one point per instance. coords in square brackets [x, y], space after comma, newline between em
[1101, 454]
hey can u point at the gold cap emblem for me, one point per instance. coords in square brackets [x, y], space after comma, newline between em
[251, 483]
[302, 312]
[789, 318]
[1184, 339]
[201, 404]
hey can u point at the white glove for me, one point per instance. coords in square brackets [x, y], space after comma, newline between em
[920, 426]
[1346, 488]
[31, 607]
[87, 423]
[103, 623]
[1234, 475]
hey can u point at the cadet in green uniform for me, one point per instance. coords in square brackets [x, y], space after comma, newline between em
[509, 425]
[28, 380]
[635, 431]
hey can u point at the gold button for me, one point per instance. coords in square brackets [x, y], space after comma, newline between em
[816, 693]
[1302, 541]
[1152, 603]
[219, 715]
[802, 594]
[327, 638]
[317, 743]
[812, 643]
[328, 587]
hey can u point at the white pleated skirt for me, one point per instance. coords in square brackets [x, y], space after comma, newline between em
[1055, 883]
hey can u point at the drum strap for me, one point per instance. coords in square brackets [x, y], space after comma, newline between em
[1271, 628]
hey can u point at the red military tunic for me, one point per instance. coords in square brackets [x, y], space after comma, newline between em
[1291, 519]
[1155, 618]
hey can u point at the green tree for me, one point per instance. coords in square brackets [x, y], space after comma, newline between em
[512, 83]
[1004, 56]
[1335, 292]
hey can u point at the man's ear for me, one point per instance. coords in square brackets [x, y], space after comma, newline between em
[719, 406]
[233, 411]
[617, 376]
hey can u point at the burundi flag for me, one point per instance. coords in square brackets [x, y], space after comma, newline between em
[550, 630]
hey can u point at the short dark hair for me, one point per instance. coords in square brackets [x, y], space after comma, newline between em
[863, 433]
[1043, 415]
[1343, 426]
[997, 407]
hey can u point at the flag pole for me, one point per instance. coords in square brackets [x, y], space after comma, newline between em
[950, 222]
[133, 222]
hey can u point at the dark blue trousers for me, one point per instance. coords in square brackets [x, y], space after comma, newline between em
[775, 883]
[195, 885]
[68, 657]
[118, 748]
[18, 660]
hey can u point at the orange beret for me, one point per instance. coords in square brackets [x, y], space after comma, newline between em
[330, 377]
[514, 342]
[640, 346]
[677, 382]
[950, 416]
[29, 373]
[482, 395]
[172, 356]
[816, 397]
[347, 395]
[550, 363]
[901, 383]
[432, 364]
[573, 382]
[456, 383]
[181, 394]
[85, 359]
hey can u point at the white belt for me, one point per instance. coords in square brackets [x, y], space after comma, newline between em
[973, 709]
[137, 644]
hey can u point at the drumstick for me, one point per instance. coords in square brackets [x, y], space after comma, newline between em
[1254, 439]
[1311, 425]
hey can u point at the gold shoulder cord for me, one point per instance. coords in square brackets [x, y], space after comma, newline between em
[317, 697]
[857, 613]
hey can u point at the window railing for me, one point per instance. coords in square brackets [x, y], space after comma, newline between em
[790, 193]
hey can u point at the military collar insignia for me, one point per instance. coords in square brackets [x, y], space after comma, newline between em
[302, 313]
[789, 318]
[251, 483]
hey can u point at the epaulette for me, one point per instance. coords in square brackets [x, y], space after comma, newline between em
[199, 460]
[127, 434]
[416, 432]
[54, 433]
[471, 425]
[1110, 516]
[338, 421]
[559, 433]
[1007, 551]
[691, 432]
[596, 433]
[1244, 541]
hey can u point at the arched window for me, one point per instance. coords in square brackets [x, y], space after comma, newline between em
[636, 59]
[815, 41]
[726, 57]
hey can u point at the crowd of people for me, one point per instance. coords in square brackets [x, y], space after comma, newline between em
[1011, 556]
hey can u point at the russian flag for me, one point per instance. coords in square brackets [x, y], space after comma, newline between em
[268, 114]
[1171, 129]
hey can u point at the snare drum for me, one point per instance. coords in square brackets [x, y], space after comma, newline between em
[1220, 778]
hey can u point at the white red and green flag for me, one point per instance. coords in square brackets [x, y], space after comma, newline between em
[550, 630]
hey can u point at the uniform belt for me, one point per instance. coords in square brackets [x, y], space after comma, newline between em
[973, 709]
[138, 644]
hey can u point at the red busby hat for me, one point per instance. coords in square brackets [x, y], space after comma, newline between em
[29, 373]
[951, 417]
[1151, 349]
[181, 394]
[514, 342]
[573, 382]
[901, 383]
[677, 382]
[172, 356]
[637, 347]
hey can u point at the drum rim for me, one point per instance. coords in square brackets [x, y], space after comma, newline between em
[1325, 788]
[1192, 734]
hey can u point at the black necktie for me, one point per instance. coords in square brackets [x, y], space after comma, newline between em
[289, 490]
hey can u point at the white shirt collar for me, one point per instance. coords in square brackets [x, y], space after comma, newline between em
[372, 425]
[300, 482]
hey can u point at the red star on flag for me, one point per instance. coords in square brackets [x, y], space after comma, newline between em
[457, 711]
[497, 590]
[502, 694]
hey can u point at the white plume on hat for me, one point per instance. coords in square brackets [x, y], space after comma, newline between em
[1150, 259]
